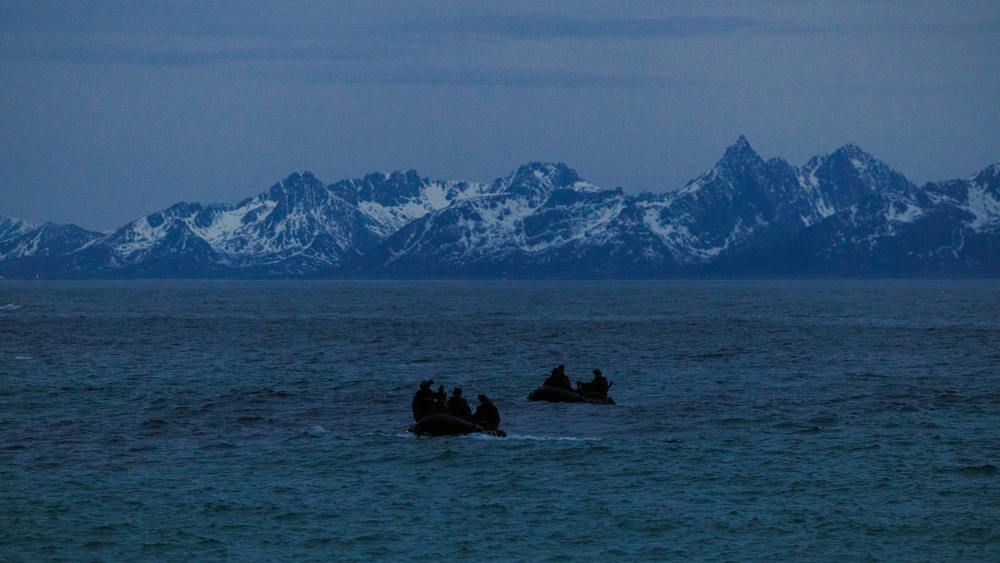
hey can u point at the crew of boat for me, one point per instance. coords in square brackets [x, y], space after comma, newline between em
[435, 413]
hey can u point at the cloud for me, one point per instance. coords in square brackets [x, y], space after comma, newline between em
[479, 46]
[477, 76]
[536, 27]
[151, 51]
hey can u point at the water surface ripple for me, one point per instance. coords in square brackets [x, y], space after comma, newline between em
[762, 420]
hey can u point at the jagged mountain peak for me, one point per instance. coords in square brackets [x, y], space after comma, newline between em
[408, 176]
[297, 190]
[741, 144]
[848, 156]
[540, 178]
[855, 153]
[47, 240]
[740, 151]
[989, 176]
[740, 161]
[739, 164]
[851, 160]
[545, 167]
[296, 180]
[10, 227]
[850, 180]
[178, 210]
[390, 189]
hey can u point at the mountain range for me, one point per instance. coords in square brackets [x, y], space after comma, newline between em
[845, 214]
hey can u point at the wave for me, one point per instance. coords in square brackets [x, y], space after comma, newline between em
[9, 307]
[530, 437]
[316, 430]
[987, 470]
[509, 437]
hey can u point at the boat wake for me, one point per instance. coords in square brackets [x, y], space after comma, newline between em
[532, 438]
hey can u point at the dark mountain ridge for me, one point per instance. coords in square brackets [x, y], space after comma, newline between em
[845, 214]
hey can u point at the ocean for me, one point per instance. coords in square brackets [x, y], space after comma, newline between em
[754, 420]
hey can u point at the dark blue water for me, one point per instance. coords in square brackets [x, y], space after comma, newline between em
[267, 420]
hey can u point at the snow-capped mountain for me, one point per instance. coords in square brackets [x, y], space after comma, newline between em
[742, 202]
[12, 228]
[542, 220]
[878, 224]
[299, 227]
[842, 214]
[28, 250]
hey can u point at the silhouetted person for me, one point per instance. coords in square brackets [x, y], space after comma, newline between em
[487, 416]
[423, 400]
[597, 388]
[457, 406]
[440, 398]
[559, 379]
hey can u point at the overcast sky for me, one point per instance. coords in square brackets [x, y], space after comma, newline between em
[110, 111]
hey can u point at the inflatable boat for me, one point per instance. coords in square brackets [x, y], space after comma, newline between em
[560, 395]
[442, 424]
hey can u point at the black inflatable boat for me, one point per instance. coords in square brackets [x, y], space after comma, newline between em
[441, 424]
[560, 395]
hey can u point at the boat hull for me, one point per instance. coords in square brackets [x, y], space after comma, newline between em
[559, 395]
[441, 424]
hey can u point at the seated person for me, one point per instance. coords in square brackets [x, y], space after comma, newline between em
[423, 400]
[487, 416]
[596, 389]
[440, 399]
[457, 406]
[559, 379]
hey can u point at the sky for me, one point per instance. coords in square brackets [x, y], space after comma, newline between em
[110, 111]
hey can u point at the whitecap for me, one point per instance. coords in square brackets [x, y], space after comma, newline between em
[550, 438]
[316, 430]
[9, 307]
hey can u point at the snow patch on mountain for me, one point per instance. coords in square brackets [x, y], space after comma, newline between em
[810, 185]
[11, 228]
[984, 199]
[433, 196]
[26, 246]
[903, 212]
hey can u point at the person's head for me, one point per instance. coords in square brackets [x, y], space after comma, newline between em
[425, 384]
[484, 399]
[457, 392]
[597, 372]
